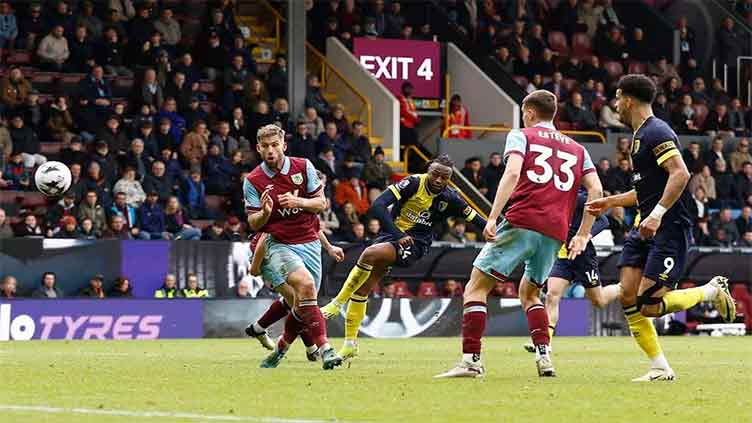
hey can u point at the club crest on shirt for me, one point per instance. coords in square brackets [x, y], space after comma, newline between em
[443, 205]
[297, 178]
[635, 146]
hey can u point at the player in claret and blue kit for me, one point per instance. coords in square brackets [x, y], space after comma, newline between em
[283, 196]
[544, 170]
[655, 251]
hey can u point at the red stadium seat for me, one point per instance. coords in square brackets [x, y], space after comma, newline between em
[701, 113]
[215, 202]
[557, 41]
[687, 285]
[739, 291]
[614, 69]
[19, 58]
[581, 45]
[637, 67]
[427, 289]
[597, 105]
[401, 290]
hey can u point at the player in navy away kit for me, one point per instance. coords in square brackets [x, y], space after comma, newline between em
[655, 252]
[583, 269]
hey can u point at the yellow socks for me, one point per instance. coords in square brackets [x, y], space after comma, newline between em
[682, 299]
[357, 277]
[356, 311]
[643, 332]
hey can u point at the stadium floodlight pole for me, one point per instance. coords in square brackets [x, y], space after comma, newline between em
[296, 56]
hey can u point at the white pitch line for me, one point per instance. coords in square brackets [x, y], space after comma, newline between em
[153, 414]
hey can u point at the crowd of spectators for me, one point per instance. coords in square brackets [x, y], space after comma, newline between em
[158, 124]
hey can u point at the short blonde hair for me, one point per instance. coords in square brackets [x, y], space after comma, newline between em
[270, 130]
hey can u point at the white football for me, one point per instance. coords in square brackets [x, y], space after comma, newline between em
[53, 179]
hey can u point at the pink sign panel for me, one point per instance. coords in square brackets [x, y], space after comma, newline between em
[394, 62]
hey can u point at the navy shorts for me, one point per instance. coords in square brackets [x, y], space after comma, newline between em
[661, 258]
[583, 269]
[407, 256]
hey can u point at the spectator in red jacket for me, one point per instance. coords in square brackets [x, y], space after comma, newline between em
[408, 116]
[352, 190]
[458, 115]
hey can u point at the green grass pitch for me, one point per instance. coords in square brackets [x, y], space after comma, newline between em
[219, 380]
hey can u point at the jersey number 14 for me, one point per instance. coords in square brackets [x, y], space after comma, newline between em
[565, 169]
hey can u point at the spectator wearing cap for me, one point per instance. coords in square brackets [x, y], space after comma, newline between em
[91, 209]
[218, 171]
[8, 287]
[351, 189]
[131, 187]
[14, 89]
[67, 229]
[53, 50]
[169, 288]
[192, 288]
[194, 112]
[48, 287]
[151, 218]
[25, 142]
[94, 289]
[178, 223]
[234, 230]
[112, 53]
[169, 27]
[376, 172]
[113, 134]
[177, 122]
[121, 288]
[302, 143]
[89, 20]
[193, 195]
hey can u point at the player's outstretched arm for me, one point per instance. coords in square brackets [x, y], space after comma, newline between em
[601, 205]
[592, 184]
[678, 177]
[258, 255]
[506, 186]
[330, 249]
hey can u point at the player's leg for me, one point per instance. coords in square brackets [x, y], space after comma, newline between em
[356, 312]
[277, 311]
[376, 254]
[556, 289]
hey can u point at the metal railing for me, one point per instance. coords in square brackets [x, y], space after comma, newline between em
[507, 129]
[413, 149]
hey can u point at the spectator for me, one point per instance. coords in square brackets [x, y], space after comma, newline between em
[194, 112]
[177, 222]
[663, 70]
[328, 219]
[164, 136]
[234, 230]
[60, 127]
[590, 16]
[67, 230]
[254, 92]
[169, 288]
[394, 21]
[580, 116]
[699, 94]
[725, 188]
[136, 158]
[730, 43]
[356, 234]
[692, 158]
[168, 27]
[744, 183]
[703, 180]
[121, 288]
[623, 150]
[192, 288]
[610, 117]
[94, 290]
[14, 88]
[5, 230]
[48, 288]
[215, 232]
[723, 222]
[89, 20]
[151, 91]
[314, 98]
[17, 175]
[302, 143]
[717, 122]
[612, 46]
[240, 48]
[131, 187]
[744, 221]
[736, 120]
[29, 227]
[32, 28]
[523, 64]
[377, 173]
[195, 145]
[25, 142]
[458, 116]
[276, 78]
[259, 117]
[313, 121]
[111, 55]
[352, 190]
[357, 144]
[746, 240]
[218, 171]
[87, 230]
[118, 229]
[177, 122]
[619, 179]
[408, 116]
[505, 59]
[151, 218]
[194, 196]
[451, 289]
[661, 108]
[740, 156]
[95, 98]
[473, 172]
[6, 143]
[331, 139]
[8, 26]
[556, 86]
[65, 207]
[373, 231]
[90, 209]
[53, 50]
[347, 217]
[8, 288]
[179, 90]
[684, 118]
[158, 181]
[243, 290]
[715, 154]
[456, 233]
[545, 66]
[235, 78]
[98, 179]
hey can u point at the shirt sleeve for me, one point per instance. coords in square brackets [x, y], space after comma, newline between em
[251, 196]
[516, 144]
[666, 148]
[405, 187]
[314, 183]
[587, 163]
